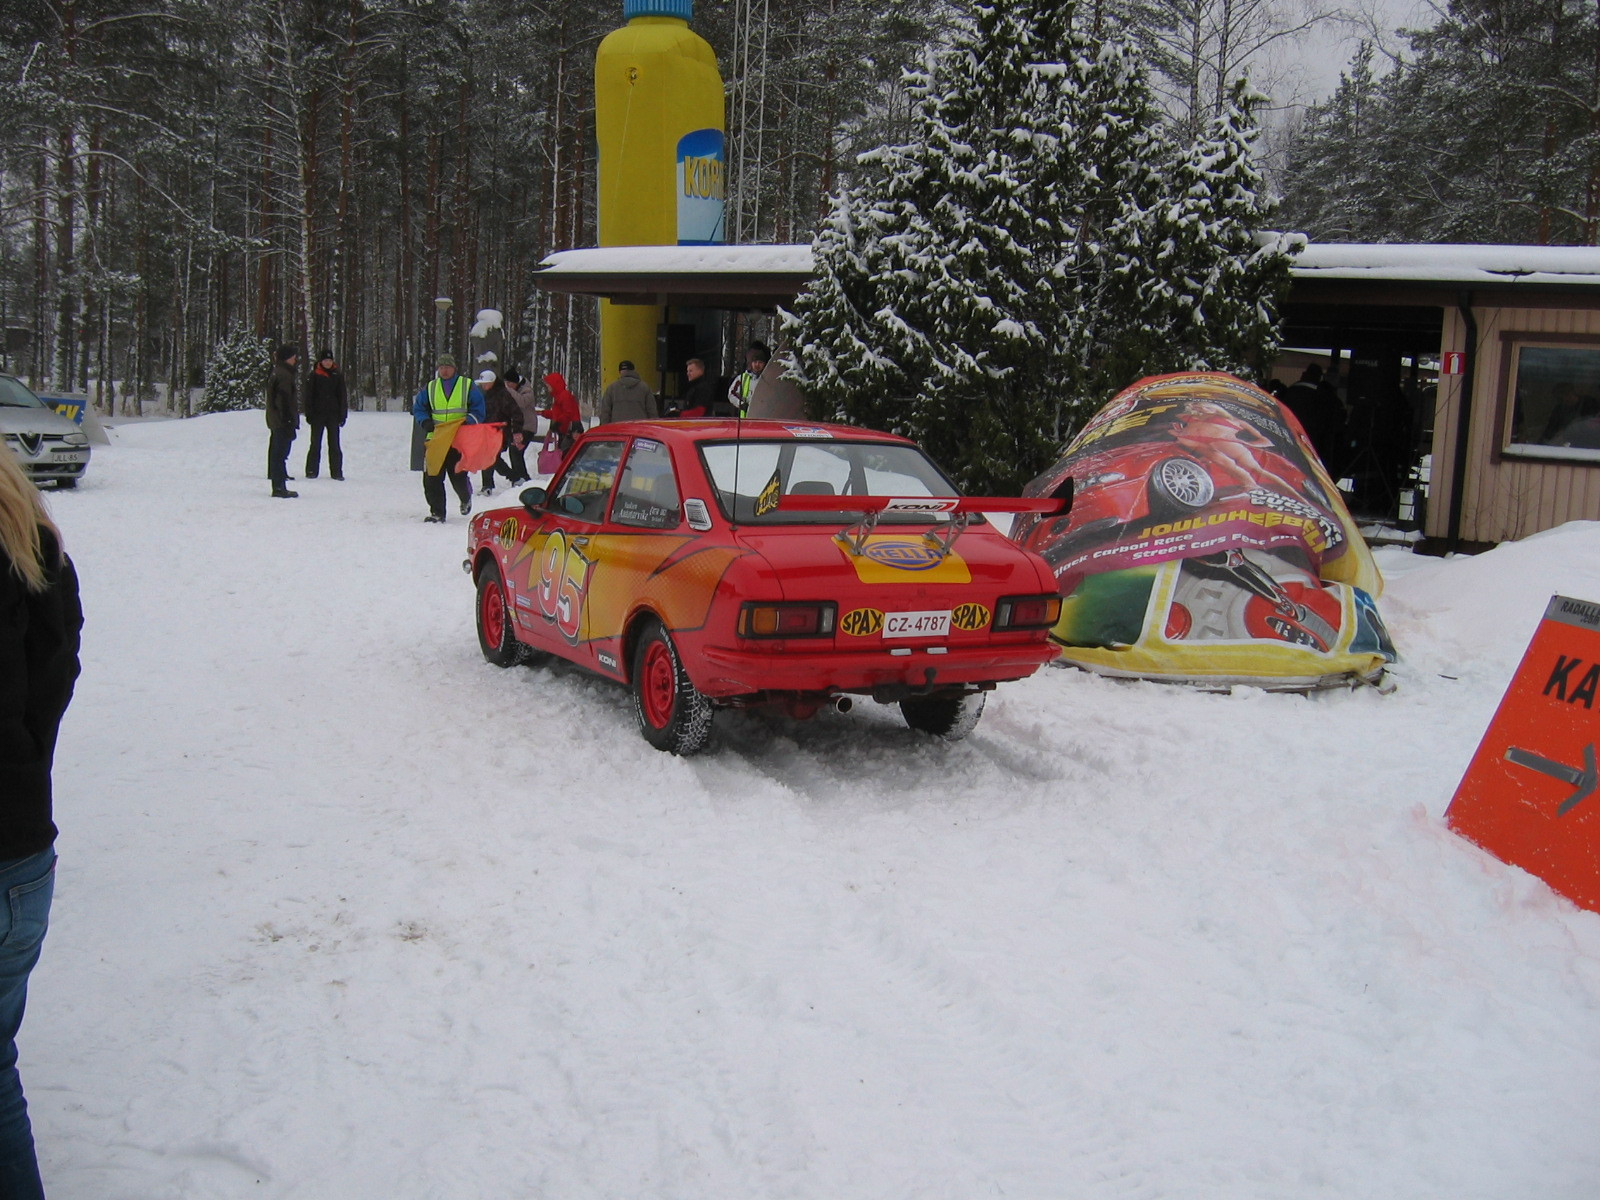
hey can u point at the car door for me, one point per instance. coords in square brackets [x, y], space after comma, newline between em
[643, 530]
[564, 547]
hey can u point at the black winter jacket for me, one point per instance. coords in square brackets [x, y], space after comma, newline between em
[326, 402]
[501, 405]
[38, 666]
[283, 399]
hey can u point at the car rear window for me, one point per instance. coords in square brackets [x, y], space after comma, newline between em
[749, 475]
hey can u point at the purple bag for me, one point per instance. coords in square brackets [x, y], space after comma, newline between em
[550, 455]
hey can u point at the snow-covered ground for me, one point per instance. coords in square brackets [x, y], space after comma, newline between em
[345, 912]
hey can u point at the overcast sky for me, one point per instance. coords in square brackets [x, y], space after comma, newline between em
[1308, 69]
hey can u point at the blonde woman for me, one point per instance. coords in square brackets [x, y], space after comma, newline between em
[39, 623]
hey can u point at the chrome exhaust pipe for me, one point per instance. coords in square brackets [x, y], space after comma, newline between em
[843, 704]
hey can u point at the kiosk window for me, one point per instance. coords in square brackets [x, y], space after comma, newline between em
[1555, 410]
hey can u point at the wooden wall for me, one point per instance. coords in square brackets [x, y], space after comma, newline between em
[1505, 498]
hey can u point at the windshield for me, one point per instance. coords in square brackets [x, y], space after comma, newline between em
[750, 477]
[14, 395]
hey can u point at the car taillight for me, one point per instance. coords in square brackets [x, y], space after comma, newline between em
[1027, 612]
[786, 620]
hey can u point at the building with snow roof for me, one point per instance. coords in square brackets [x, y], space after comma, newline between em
[1474, 369]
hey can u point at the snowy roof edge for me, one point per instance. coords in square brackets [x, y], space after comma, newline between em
[1573, 266]
[706, 260]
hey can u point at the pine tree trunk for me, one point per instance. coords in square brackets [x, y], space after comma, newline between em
[264, 281]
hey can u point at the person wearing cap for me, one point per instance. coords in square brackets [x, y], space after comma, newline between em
[283, 418]
[628, 398]
[445, 403]
[502, 409]
[327, 406]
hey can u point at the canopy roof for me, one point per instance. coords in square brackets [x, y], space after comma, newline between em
[765, 276]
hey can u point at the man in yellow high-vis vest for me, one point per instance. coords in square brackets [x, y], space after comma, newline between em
[744, 384]
[446, 403]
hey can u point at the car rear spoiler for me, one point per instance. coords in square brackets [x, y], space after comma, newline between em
[806, 502]
[960, 509]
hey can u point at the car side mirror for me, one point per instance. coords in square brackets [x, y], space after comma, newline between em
[572, 506]
[532, 498]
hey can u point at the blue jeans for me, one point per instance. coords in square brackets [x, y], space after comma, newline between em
[28, 884]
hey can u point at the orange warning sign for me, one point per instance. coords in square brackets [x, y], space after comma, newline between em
[1529, 795]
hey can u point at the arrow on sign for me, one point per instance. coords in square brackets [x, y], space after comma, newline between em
[1583, 779]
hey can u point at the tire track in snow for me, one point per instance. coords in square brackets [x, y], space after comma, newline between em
[1047, 1094]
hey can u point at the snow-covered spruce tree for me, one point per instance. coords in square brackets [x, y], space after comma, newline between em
[1203, 283]
[919, 319]
[236, 372]
[990, 283]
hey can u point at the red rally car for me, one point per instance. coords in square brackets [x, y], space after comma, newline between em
[718, 563]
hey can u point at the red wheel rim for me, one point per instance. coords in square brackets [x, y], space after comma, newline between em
[492, 612]
[658, 685]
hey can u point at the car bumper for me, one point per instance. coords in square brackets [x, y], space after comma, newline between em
[729, 672]
[54, 465]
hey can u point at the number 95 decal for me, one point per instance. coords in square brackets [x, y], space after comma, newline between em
[563, 584]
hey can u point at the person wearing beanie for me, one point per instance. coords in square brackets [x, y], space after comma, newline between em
[327, 406]
[283, 419]
[744, 384]
[529, 408]
[445, 403]
[628, 398]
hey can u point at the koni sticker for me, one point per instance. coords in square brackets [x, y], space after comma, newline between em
[861, 622]
[928, 504]
[970, 617]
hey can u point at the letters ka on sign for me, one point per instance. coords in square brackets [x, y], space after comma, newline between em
[1529, 794]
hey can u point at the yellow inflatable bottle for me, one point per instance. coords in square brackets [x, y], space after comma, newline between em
[659, 124]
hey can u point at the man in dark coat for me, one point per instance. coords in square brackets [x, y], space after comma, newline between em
[327, 406]
[1321, 414]
[283, 419]
[701, 394]
[628, 398]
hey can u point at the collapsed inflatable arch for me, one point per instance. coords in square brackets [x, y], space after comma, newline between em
[1206, 544]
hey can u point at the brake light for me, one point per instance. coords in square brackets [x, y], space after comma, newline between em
[786, 620]
[1027, 612]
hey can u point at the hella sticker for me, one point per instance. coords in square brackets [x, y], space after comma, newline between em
[904, 556]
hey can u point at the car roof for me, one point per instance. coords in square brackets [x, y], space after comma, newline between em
[717, 429]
